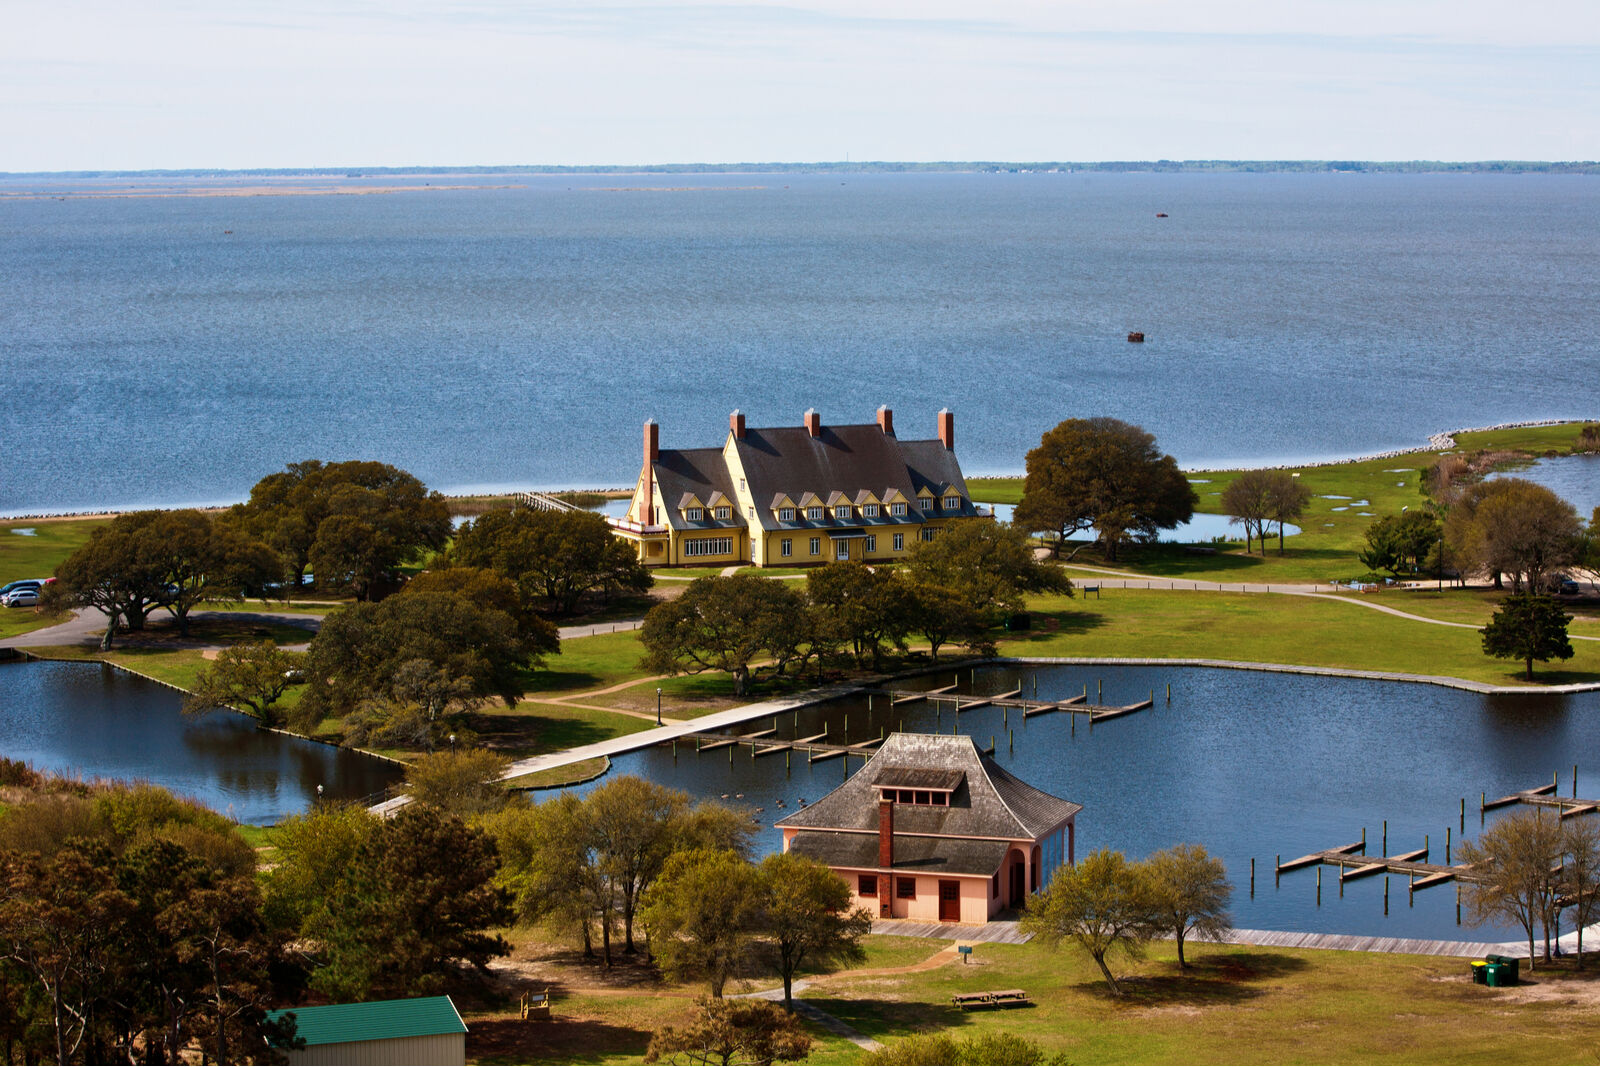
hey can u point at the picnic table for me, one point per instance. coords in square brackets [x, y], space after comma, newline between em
[992, 998]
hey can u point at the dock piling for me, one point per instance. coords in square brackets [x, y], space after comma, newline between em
[1447, 846]
[1319, 887]
[1386, 894]
[1169, 692]
[1463, 814]
[1385, 845]
[1574, 781]
[1011, 740]
[1277, 871]
[1252, 876]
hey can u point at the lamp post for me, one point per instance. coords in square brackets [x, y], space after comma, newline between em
[658, 705]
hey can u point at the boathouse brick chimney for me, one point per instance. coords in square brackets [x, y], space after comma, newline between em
[885, 857]
[813, 422]
[947, 429]
[736, 424]
[652, 452]
[886, 420]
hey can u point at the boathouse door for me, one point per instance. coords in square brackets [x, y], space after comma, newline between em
[949, 901]
[1019, 891]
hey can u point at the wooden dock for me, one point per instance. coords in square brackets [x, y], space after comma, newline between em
[1078, 705]
[763, 743]
[1545, 797]
[1353, 863]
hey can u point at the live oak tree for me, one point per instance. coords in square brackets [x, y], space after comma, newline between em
[865, 607]
[554, 557]
[990, 564]
[1511, 526]
[250, 677]
[490, 589]
[1400, 543]
[353, 522]
[809, 917]
[704, 913]
[1189, 892]
[464, 782]
[721, 624]
[1528, 628]
[1103, 473]
[732, 1031]
[422, 649]
[1101, 903]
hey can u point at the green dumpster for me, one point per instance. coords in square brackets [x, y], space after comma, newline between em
[1496, 975]
[1480, 972]
[1510, 968]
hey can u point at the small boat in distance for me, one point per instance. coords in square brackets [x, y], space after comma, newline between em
[1136, 337]
[1161, 215]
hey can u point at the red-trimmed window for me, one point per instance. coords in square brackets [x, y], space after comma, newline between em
[905, 888]
[867, 885]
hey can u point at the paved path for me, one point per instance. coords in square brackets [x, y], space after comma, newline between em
[1297, 668]
[615, 626]
[1000, 931]
[88, 626]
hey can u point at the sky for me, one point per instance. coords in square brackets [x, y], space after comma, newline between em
[134, 84]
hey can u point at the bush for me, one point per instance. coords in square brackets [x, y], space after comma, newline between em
[462, 783]
[941, 1048]
[17, 772]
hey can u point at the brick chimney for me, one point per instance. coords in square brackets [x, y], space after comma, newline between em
[652, 452]
[885, 857]
[736, 423]
[886, 420]
[813, 422]
[947, 429]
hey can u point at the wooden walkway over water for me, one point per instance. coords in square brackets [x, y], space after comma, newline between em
[1353, 863]
[1078, 705]
[765, 743]
[1544, 797]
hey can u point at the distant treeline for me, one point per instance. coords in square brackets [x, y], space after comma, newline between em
[1160, 166]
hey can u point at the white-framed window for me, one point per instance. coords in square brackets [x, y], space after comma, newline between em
[708, 546]
[897, 510]
[693, 514]
[952, 503]
[927, 533]
[750, 510]
[724, 513]
[786, 547]
[741, 485]
[813, 513]
[786, 514]
[899, 542]
[816, 546]
[869, 511]
[842, 511]
[872, 542]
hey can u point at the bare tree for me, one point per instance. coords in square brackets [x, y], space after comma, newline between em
[1580, 874]
[1248, 502]
[1515, 859]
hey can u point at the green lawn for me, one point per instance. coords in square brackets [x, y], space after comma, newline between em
[14, 621]
[1346, 499]
[1272, 628]
[37, 555]
[557, 777]
[1237, 1005]
[532, 728]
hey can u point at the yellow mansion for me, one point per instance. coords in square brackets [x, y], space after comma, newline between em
[795, 495]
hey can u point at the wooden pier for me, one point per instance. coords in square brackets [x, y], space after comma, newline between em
[1353, 863]
[1078, 705]
[1545, 797]
[763, 743]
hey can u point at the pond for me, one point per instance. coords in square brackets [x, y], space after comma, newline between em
[1575, 479]
[98, 722]
[1249, 764]
[1203, 528]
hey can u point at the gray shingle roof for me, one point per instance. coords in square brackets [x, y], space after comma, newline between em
[914, 855]
[991, 802]
[682, 472]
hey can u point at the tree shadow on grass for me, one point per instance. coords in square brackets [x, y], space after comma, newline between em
[1056, 623]
[1210, 981]
[517, 731]
[554, 1040]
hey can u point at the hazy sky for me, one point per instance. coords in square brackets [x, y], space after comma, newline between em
[240, 83]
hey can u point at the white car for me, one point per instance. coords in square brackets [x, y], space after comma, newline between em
[20, 598]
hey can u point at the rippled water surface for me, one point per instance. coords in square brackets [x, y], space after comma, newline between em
[171, 350]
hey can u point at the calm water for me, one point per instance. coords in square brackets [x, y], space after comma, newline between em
[1249, 764]
[1575, 479]
[99, 722]
[176, 350]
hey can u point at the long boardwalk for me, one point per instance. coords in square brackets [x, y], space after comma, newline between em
[1353, 863]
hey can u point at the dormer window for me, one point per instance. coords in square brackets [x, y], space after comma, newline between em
[723, 513]
[693, 514]
[842, 511]
[786, 514]
[869, 511]
[897, 510]
[813, 513]
[920, 797]
[952, 503]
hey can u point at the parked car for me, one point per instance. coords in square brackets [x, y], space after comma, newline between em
[20, 598]
[1567, 587]
[23, 583]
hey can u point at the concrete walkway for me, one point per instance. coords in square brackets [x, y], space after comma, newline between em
[88, 625]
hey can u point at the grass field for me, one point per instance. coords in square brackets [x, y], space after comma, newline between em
[1271, 628]
[1346, 499]
[1236, 1005]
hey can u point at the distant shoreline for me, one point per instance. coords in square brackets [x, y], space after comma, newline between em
[1162, 166]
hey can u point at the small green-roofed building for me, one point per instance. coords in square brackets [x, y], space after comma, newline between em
[422, 1030]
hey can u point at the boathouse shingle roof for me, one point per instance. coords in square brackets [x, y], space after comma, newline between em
[925, 855]
[990, 802]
